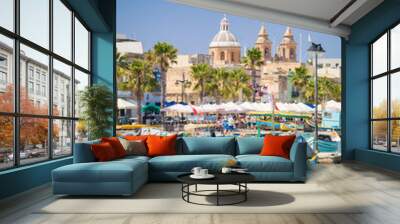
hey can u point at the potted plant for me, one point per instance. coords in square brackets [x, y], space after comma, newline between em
[96, 103]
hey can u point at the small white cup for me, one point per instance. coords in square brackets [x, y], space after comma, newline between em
[203, 172]
[226, 170]
[196, 171]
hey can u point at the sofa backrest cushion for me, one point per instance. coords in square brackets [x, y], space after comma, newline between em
[249, 145]
[161, 145]
[104, 152]
[206, 145]
[118, 148]
[277, 145]
[83, 152]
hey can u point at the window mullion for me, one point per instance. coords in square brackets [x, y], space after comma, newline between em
[73, 81]
[16, 70]
[50, 81]
[389, 104]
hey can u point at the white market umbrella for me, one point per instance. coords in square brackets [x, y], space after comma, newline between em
[125, 104]
[332, 106]
[262, 107]
[179, 108]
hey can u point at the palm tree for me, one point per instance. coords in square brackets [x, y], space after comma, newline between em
[150, 57]
[140, 79]
[219, 85]
[239, 81]
[299, 79]
[327, 89]
[201, 74]
[165, 54]
[122, 64]
[253, 60]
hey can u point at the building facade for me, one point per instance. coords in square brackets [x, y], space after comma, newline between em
[34, 87]
[34, 81]
[329, 67]
[179, 74]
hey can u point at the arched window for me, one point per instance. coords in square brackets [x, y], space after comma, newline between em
[232, 56]
[266, 52]
[222, 56]
[292, 53]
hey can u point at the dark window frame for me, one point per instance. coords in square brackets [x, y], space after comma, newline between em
[388, 74]
[16, 114]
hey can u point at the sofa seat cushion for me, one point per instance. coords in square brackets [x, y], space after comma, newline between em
[112, 171]
[185, 163]
[257, 163]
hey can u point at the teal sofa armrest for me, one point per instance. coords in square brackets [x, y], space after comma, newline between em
[298, 155]
[83, 152]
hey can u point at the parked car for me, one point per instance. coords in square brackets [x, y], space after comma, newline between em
[169, 120]
[123, 120]
[25, 154]
[133, 120]
[152, 119]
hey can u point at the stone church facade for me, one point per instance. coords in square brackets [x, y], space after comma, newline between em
[225, 51]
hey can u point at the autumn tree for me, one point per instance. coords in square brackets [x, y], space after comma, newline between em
[33, 131]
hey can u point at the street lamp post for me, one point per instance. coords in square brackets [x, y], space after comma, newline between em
[315, 51]
[184, 84]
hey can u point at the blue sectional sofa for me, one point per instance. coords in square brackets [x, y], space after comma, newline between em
[125, 176]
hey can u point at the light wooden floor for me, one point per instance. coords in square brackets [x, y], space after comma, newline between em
[378, 189]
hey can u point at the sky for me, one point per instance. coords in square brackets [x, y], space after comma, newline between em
[191, 29]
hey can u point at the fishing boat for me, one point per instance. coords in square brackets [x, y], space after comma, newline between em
[329, 145]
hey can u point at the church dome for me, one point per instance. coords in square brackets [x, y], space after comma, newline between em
[224, 38]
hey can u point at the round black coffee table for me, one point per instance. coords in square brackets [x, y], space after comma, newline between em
[238, 179]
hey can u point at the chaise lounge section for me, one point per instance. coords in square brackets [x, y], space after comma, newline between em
[125, 176]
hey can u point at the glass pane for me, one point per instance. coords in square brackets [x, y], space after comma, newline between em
[7, 14]
[62, 29]
[81, 81]
[6, 142]
[81, 132]
[62, 138]
[379, 135]
[33, 139]
[35, 21]
[395, 138]
[62, 89]
[379, 55]
[6, 74]
[34, 92]
[395, 94]
[395, 47]
[379, 98]
[81, 45]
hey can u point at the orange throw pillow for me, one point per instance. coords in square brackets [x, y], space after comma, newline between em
[136, 137]
[103, 152]
[277, 145]
[161, 145]
[116, 145]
